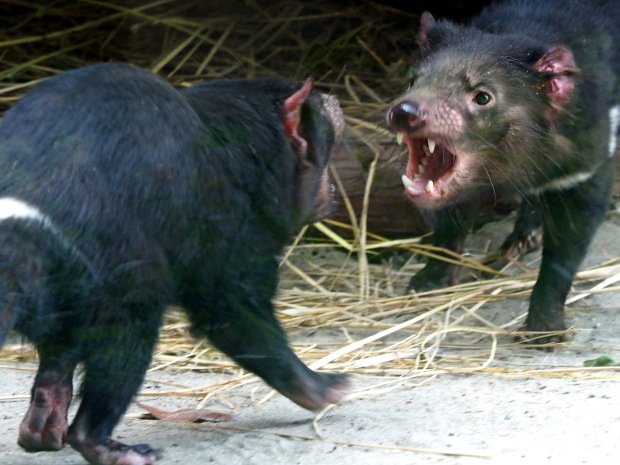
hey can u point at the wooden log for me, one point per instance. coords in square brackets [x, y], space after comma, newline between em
[390, 213]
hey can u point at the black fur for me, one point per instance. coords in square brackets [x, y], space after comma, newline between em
[150, 197]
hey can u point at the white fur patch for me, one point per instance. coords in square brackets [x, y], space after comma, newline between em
[614, 122]
[13, 208]
[563, 183]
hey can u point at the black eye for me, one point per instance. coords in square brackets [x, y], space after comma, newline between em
[482, 98]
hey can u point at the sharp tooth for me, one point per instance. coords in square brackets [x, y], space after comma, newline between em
[425, 150]
[399, 138]
[430, 186]
[431, 145]
[406, 181]
[420, 168]
[424, 161]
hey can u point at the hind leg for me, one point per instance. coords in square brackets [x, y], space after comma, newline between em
[527, 234]
[45, 425]
[26, 305]
[116, 361]
[526, 237]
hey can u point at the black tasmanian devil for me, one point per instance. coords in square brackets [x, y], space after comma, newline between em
[522, 101]
[120, 195]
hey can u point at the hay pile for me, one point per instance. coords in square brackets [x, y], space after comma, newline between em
[341, 317]
[342, 310]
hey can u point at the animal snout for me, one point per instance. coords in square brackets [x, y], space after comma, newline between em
[405, 116]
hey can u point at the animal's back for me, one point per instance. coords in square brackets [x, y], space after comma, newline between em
[590, 29]
[101, 152]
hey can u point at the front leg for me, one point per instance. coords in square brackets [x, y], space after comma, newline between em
[571, 218]
[450, 228]
[260, 346]
[527, 234]
[241, 324]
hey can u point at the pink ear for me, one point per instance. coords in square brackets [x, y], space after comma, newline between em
[292, 116]
[559, 66]
[426, 22]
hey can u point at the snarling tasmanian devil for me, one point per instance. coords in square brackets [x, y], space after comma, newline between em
[522, 102]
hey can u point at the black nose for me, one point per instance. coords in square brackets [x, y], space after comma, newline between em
[405, 116]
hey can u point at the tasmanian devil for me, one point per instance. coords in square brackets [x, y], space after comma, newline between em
[120, 195]
[522, 101]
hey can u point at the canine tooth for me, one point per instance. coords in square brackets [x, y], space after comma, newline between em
[399, 138]
[431, 145]
[430, 186]
[406, 181]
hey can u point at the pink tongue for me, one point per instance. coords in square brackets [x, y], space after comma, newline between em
[438, 164]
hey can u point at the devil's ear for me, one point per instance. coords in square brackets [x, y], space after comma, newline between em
[427, 24]
[292, 117]
[559, 70]
[312, 127]
[432, 33]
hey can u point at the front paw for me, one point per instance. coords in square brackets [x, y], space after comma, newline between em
[113, 452]
[520, 243]
[542, 329]
[314, 391]
[435, 275]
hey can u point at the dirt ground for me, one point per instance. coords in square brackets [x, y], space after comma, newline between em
[448, 419]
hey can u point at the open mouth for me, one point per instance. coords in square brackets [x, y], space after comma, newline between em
[429, 169]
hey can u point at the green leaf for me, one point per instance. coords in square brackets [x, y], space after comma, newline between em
[602, 361]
